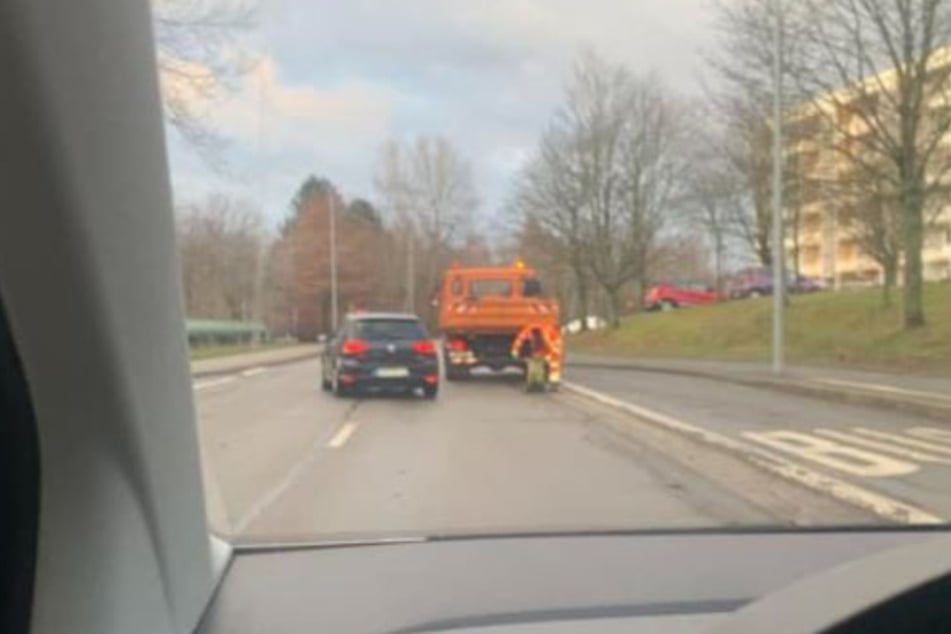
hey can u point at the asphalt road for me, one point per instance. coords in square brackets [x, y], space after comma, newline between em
[894, 456]
[287, 462]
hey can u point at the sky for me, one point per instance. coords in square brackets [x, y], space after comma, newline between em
[335, 79]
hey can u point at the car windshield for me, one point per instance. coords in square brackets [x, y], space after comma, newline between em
[388, 329]
[621, 176]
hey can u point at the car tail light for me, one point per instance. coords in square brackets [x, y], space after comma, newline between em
[458, 345]
[424, 346]
[354, 347]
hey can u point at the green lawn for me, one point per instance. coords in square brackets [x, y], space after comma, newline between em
[849, 328]
[212, 351]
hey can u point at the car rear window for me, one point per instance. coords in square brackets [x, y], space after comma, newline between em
[388, 329]
[490, 288]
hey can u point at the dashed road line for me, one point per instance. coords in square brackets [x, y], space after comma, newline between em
[340, 438]
[291, 478]
[313, 453]
[203, 385]
[231, 378]
[883, 506]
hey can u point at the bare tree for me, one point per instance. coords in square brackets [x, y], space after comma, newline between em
[741, 100]
[606, 173]
[747, 165]
[712, 203]
[550, 203]
[199, 63]
[428, 193]
[222, 245]
[442, 192]
[874, 217]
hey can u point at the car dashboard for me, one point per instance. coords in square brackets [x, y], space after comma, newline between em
[675, 582]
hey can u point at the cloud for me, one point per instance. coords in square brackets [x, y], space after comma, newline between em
[285, 116]
[279, 131]
[339, 78]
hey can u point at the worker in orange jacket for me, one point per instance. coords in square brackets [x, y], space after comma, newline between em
[540, 345]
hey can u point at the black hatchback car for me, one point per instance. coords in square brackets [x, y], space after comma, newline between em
[380, 352]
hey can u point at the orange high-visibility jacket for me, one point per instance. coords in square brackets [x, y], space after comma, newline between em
[551, 336]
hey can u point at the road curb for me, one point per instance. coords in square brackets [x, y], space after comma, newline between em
[304, 356]
[790, 385]
[880, 505]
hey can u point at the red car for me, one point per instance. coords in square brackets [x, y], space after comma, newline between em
[668, 296]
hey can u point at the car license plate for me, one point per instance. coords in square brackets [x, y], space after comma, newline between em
[392, 373]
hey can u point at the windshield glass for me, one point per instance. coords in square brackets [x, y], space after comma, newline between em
[743, 273]
[388, 329]
[490, 288]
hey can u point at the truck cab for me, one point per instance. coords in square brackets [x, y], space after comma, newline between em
[482, 310]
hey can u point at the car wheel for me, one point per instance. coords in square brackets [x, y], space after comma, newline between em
[667, 305]
[339, 389]
[456, 373]
[430, 391]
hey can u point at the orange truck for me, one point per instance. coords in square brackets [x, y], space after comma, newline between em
[482, 310]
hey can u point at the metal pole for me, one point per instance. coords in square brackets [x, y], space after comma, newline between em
[333, 260]
[779, 278]
[411, 275]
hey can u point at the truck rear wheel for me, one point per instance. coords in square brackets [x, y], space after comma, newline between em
[456, 372]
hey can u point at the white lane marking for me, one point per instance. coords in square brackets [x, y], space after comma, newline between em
[890, 389]
[253, 372]
[215, 382]
[343, 434]
[930, 433]
[901, 440]
[881, 505]
[292, 476]
[832, 454]
[881, 446]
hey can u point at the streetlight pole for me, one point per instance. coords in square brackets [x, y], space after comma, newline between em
[779, 278]
[333, 259]
[411, 273]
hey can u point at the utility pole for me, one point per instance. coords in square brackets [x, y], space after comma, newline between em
[779, 255]
[333, 259]
[410, 273]
[259, 262]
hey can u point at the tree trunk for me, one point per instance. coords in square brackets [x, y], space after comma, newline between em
[614, 301]
[890, 273]
[581, 283]
[795, 243]
[764, 253]
[913, 229]
[718, 263]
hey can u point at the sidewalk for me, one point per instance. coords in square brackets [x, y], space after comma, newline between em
[238, 362]
[925, 395]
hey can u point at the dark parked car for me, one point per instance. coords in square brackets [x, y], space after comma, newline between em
[380, 352]
[758, 282]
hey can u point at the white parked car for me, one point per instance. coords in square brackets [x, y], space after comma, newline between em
[594, 323]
